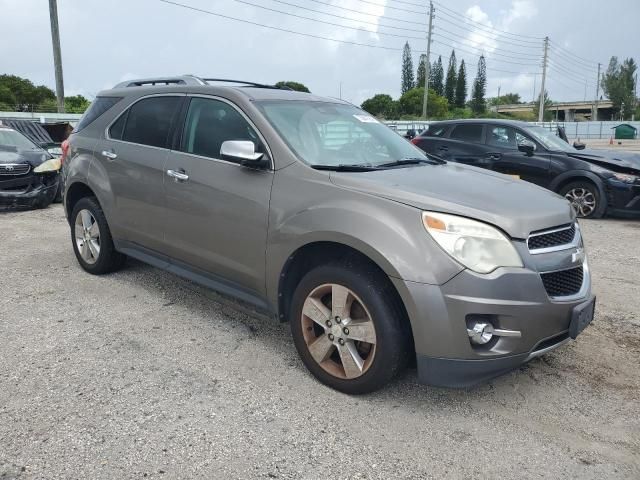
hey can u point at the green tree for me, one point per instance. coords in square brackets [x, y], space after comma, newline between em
[450, 82]
[478, 102]
[461, 86]
[411, 103]
[20, 92]
[421, 74]
[618, 85]
[298, 87]
[506, 99]
[436, 77]
[407, 69]
[381, 105]
[76, 104]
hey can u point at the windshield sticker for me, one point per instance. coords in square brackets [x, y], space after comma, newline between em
[366, 118]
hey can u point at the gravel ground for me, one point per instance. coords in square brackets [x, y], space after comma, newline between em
[140, 374]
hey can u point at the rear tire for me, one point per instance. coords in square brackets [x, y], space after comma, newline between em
[585, 198]
[364, 341]
[91, 238]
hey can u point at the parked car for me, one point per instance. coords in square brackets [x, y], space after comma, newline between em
[594, 181]
[311, 210]
[28, 174]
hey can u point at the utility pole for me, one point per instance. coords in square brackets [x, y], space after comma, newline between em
[544, 77]
[595, 110]
[57, 56]
[428, 63]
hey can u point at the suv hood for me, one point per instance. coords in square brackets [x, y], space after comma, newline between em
[515, 206]
[32, 157]
[604, 158]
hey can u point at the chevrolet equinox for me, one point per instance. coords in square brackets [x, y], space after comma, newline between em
[309, 209]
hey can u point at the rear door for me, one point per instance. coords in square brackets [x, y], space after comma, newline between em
[133, 154]
[503, 141]
[431, 139]
[217, 218]
[465, 144]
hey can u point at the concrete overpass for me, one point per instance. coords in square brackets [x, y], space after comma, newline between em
[565, 111]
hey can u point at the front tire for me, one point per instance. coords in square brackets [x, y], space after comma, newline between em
[585, 198]
[91, 238]
[349, 328]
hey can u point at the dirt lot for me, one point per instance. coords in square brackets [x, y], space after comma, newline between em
[142, 374]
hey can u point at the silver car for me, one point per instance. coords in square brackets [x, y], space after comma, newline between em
[308, 208]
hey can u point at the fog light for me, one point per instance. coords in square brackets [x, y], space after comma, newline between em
[480, 333]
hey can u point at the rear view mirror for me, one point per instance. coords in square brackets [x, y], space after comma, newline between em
[527, 147]
[579, 145]
[243, 151]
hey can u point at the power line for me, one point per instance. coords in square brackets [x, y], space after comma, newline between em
[519, 55]
[571, 70]
[466, 28]
[228, 17]
[572, 62]
[573, 55]
[326, 22]
[390, 7]
[364, 13]
[348, 18]
[493, 29]
[487, 56]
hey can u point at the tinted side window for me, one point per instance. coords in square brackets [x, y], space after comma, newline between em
[149, 121]
[435, 131]
[471, 132]
[117, 129]
[500, 136]
[99, 106]
[211, 122]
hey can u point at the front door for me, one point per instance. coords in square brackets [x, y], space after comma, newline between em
[502, 143]
[217, 212]
[133, 157]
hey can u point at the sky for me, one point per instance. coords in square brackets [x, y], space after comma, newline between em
[107, 41]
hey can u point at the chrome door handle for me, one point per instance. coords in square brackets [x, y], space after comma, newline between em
[178, 175]
[109, 154]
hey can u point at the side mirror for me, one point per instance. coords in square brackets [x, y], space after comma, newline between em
[527, 147]
[579, 145]
[243, 151]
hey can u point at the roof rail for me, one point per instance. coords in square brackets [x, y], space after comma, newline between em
[191, 80]
[177, 80]
[251, 84]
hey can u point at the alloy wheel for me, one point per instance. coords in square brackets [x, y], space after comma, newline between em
[87, 236]
[338, 331]
[582, 200]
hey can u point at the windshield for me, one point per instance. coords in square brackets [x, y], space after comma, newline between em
[11, 138]
[329, 134]
[549, 140]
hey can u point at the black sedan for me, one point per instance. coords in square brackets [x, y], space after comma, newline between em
[594, 181]
[29, 175]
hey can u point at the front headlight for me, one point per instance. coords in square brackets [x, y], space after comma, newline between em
[52, 165]
[476, 245]
[626, 178]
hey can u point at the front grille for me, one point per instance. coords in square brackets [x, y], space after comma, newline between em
[553, 238]
[564, 282]
[14, 168]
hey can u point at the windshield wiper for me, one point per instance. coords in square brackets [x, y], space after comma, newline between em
[345, 168]
[411, 161]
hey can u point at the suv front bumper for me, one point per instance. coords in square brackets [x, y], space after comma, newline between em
[513, 299]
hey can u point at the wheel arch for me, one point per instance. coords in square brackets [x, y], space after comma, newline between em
[73, 194]
[316, 253]
[577, 175]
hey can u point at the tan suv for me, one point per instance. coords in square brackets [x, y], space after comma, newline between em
[313, 211]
